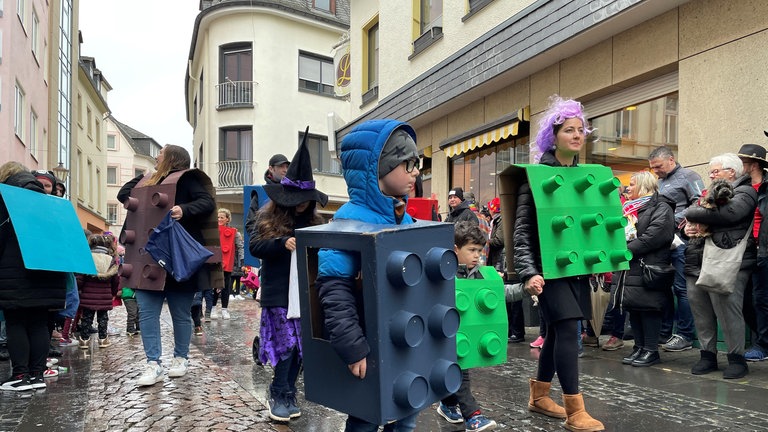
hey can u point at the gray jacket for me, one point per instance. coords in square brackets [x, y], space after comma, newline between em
[682, 186]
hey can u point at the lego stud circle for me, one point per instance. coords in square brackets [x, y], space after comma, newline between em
[610, 185]
[403, 269]
[560, 223]
[410, 390]
[551, 184]
[618, 256]
[462, 301]
[583, 183]
[595, 257]
[463, 347]
[128, 237]
[443, 321]
[131, 204]
[441, 264]
[152, 272]
[445, 377]
[406, 329]
[616, 223]
[486, 300]
[489, 345]
[591, 220]
[126, 270]
[160, 199]
[565, 258]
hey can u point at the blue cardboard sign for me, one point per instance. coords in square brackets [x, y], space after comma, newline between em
[45, 220]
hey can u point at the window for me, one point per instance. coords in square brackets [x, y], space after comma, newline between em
[154, 150]
[316, 74]
[235, 157]
[33, 133]
[431, 14]
[111, 142]
[89, 120]
[319, 154]
[18, 118]
[112, 213]
[34, 32]
[20, 10]
[90, 185]
[236, 75]
[138, 171]
[325, 5]
[111, 175]
[80, 109]
[373, 56]
[200, 91]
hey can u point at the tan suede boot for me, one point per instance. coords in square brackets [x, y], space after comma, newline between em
[578, 420]
[540, 401]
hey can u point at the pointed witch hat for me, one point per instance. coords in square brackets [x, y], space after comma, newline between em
[298, 185]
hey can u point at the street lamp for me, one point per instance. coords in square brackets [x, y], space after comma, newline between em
[61, 172]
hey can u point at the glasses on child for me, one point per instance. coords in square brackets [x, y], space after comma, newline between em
[410, 164]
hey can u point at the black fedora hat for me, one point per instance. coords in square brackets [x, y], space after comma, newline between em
[755, 152]
[298, 185]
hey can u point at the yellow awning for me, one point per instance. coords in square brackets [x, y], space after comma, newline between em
[477, 141]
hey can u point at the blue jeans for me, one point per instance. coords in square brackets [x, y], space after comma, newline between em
[683, 315]
[150, 305]
[208, 297]
[406, 424]
[760, 302]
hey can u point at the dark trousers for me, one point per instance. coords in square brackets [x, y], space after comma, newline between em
[463, 397]
[516, 319]
[560, 354]
[86, 320]
[760, 303]
[28, 339]
[224, 292]
[645, 327]
[286, 373]
[132, 311]
[197, 312]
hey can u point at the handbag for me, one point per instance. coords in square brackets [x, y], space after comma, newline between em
[175, 250]
[657, 277]
[719, 267]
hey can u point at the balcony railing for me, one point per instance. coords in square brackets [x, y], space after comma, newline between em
[235, 174]
[235, 94]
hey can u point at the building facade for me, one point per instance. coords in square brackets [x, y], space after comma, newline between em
[259, 73]
[473, 78]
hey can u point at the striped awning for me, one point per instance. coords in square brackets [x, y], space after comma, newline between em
[477, 141]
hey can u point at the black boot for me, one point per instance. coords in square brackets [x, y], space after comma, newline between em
[636, 351]
[737, 367]
[647, 358]
[705, 365]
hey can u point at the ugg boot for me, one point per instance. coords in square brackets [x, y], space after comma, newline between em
[737, 367]
[705, 365]
[540, 401]
[577, 418]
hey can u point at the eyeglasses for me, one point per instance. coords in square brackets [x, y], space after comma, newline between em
[715, 172]
[410, 164]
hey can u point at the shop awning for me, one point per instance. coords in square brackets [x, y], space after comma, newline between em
[488, 134]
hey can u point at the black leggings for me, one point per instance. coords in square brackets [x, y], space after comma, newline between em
[224, 291]
[28, 339]
[560, 354]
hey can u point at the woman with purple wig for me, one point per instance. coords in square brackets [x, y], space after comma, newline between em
[564, 301]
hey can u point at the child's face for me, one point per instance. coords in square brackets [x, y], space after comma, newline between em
[469, 254]
[398, 182]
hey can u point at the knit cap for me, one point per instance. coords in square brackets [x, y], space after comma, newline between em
[399, 148]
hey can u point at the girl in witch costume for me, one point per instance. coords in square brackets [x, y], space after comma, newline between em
[292, 206]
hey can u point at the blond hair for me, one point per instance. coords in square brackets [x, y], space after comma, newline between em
[226, 212]
[646, 183]
[10, 168]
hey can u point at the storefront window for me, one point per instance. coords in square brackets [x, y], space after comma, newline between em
[625, 138]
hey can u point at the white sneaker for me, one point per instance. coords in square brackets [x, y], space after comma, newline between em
[153, 373]
[239, 297]
[215, 313]
[232, 297]
[225, 314]
[178, 368]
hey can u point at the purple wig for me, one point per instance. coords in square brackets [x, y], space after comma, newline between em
[558, 112]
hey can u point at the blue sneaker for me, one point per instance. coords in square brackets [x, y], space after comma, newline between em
[479, 423]
[754, 355]
[452, 414]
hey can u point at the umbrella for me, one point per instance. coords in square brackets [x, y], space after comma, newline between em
[600, 299]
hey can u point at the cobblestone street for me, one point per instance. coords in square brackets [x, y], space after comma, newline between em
[225, 390]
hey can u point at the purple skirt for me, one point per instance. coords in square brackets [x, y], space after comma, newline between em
[279, 335]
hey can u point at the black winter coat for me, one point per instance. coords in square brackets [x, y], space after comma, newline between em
[19, 287]
[496, 244]
[655, 232]
[462, 212]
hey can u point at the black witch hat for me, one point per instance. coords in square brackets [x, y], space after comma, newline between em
[298, 185]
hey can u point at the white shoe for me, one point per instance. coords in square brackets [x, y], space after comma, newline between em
[239, 297]
[178, 368]
[215, 313]
[225, 314]
[232, 297]
[153, 373]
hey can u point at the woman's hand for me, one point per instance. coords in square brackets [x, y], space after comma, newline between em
[534, 285]
[358, 368]
[290, 244]
[177, 212]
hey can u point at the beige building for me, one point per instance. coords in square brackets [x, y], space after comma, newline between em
[258, 74]
[474, 76]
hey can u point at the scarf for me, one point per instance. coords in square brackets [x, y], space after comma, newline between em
[630, 210]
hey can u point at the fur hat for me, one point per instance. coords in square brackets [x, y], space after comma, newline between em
[298, 185]
[459, 192]
[399, 148]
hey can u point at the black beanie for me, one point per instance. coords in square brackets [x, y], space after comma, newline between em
[399, 148]
[459, 192]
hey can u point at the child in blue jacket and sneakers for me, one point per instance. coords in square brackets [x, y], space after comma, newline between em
[380, 163]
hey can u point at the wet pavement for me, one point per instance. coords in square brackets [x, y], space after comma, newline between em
[225, 390]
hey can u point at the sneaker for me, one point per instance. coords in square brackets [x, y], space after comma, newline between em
[132, 333]
[83, 343]
[591, 341]
[232, 297]
[677, 343]
[451, 414]
[55, 335]
[37, 381]
[664, 340]
[293, 409]
[103, 343]
[179, 367]
[215, 313]
[225, 314]
[613, 343]
[239, 297]
[198, 330]
[153, 373]
[50, 361]
[538, 343]
[50, 373]
[479, 422]
[65, 342]
[754, 355]
[17, 383]
[207, 317]
[516, 339]
[278, 408]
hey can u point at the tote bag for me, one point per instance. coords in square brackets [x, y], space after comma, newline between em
[175, 250]
[719, 267]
